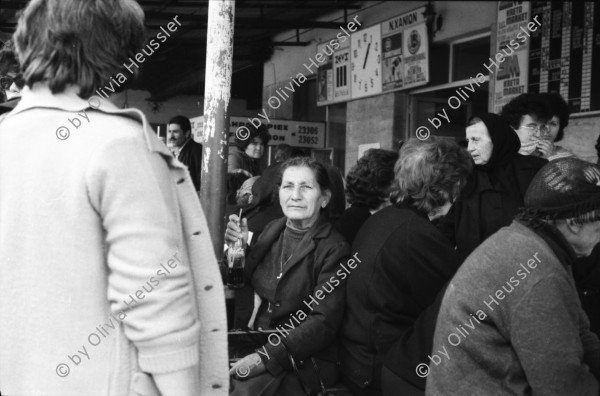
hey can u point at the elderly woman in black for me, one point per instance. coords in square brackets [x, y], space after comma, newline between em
[294, 270]
[495, 190]
[391, 306]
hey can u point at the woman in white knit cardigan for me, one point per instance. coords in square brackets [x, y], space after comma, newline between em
[108, 280]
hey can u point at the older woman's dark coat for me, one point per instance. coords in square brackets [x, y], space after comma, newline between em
[391, 306]
[316, 265]
[494, 191]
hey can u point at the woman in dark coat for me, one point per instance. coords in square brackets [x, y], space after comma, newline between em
[368, 187]
[405, 262]
[495, 189]
[294, 271]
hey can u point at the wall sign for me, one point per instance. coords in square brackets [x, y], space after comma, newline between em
[389, 56]
[405, 51]
[565, 51]
[511, 75]
[333, 76]
[295, 133]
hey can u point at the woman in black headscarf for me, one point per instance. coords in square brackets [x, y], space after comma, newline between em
[495, 189]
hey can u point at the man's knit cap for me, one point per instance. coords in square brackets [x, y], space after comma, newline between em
[565, 188]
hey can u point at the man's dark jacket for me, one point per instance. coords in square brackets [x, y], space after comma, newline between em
[191, 156]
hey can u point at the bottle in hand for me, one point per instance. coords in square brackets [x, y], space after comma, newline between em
[236, 260]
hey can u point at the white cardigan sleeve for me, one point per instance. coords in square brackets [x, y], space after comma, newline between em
[132, 191]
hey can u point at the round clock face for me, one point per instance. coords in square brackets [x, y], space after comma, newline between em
[366, 62]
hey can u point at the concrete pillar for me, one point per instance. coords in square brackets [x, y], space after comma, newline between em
[217, 95]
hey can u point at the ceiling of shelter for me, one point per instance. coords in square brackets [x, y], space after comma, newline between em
[177, 67]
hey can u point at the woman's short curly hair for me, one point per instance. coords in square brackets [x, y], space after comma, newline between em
[77, 42]
[430, 173]
[558, 108]
[531, 104]
[261, 132]
[370, 181]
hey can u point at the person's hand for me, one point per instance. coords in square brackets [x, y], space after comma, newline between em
[236, 231]
[248, 367]
[545, 147]
[178, 383]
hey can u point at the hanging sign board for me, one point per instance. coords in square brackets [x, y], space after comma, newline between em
[295, 133]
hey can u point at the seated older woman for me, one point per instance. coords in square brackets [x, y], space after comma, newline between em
[294, 269]
[367, 189]
[391, 305]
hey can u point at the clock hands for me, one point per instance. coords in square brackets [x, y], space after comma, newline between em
[367, 55]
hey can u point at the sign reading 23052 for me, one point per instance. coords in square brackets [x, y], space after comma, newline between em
[308, 139]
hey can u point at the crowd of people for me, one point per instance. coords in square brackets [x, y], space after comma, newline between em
[437, 228]
[440, 268]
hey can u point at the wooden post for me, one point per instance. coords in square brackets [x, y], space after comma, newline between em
[217, 95]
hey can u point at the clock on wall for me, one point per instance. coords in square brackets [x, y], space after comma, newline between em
[365, 47]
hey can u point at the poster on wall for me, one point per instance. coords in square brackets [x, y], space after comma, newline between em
[416, 64]
[333, 76]
[341, 72]
[325, 81]
[295, 133]
[399, 36]
[513, 46]
[385, 57]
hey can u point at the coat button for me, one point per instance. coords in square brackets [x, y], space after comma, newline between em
[277, 304]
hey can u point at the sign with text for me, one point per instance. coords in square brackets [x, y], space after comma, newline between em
[512, 37]
[389, 56]
[405, 51]
[333, 76]
[295, 133]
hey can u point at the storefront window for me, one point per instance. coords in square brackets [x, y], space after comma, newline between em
[468, 57]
